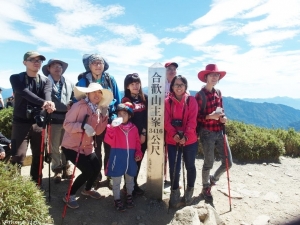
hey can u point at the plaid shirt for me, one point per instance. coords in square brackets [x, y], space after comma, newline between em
[213, 100]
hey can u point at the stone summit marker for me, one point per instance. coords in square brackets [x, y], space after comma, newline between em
[155, 135]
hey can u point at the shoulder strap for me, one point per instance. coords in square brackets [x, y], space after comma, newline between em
[203, 98]
[108, 80]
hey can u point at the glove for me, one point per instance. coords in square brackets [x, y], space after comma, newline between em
[89, 130]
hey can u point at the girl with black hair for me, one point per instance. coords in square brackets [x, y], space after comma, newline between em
[133, 93]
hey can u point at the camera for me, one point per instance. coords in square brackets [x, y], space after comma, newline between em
[176, 123]
[34, 113]
[180, 134]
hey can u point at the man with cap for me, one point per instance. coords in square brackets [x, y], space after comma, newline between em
[62, 90]
[211, 119]
[95, 66]
[32, 93]
[171, 71]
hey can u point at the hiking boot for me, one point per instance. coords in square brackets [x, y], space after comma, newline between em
[174, 198]
[211, 180]
[57, 175]
[92, 193]
[137, 190]
[72, 203]
[129, 201]
[67, 172]
[119, 205]
[206, 192]
[188, 194]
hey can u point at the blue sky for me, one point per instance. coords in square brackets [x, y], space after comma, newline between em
[257, 42]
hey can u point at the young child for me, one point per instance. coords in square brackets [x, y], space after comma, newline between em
[133, 93]
[124, 139]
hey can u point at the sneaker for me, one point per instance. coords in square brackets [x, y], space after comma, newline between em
[57, 175]
[72, 203]
[129, 201]
[206, 192]
[119, 205]
[92, 193]
[138, 190]
[67, 172]
[211, 180]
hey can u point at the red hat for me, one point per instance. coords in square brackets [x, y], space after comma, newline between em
[210, 68]
[171, 63]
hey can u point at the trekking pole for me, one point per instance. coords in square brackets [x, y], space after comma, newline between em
[226, 156]
[48, 154]
[41, 119]
[71, 181]
[183, 169]
[174, 172]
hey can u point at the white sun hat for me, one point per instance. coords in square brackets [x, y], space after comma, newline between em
[107, 95]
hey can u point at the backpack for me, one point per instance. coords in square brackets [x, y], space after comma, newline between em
[203, 106]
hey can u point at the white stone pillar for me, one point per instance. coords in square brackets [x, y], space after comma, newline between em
[155, 133]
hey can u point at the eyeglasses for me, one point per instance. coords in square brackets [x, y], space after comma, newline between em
[179, 85]
[97, 63]
[214, 75]
[35, 60]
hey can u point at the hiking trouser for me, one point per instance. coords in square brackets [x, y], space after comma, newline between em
[212, 140]
[89, 167]
[58, 157]
[189, 156]
[116, 185]
[22, 135]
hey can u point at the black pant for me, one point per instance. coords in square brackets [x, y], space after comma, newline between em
[22, 135]
[99, 139]
[89, 167]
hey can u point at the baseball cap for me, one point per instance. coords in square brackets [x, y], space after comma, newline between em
[33, 54]
[171, 63]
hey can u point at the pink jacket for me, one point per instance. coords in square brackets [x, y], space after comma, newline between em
[185, 110]
[73, 131]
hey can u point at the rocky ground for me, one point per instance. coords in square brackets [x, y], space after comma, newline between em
[264, 193]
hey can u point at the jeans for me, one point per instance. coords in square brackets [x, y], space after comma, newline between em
[211, 140]
[189, 156]
[89, 167]
[22, 135]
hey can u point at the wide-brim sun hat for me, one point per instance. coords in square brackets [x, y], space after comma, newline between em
[107, 95]
[62, 63]
[210, 68]
[86, 61]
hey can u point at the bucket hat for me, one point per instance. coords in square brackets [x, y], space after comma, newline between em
[210, 68]
[63, 64]
[107, 95]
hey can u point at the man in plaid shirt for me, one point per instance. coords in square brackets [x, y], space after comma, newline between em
[211, 119]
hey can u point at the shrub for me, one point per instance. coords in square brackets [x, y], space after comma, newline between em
[6, 121]
[20, 199]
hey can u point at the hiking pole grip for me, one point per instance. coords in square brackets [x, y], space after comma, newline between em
[84, 121]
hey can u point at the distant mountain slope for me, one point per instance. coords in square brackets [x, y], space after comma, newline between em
[292, 102]
[261, 114]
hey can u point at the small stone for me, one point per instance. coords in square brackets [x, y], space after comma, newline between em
[250, 174]
[264, 164]
[288, 174]
[275, 165]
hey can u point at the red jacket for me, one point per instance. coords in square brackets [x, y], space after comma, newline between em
[185, 110]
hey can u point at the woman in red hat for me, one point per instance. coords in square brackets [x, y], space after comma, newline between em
[211, 119]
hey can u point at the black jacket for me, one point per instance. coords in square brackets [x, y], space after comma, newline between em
[29, 92]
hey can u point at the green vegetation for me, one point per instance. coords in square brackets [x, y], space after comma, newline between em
[252, 143]
[20, 199]
[6, 121]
